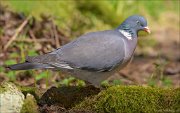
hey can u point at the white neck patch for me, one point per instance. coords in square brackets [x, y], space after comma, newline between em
[126, 34]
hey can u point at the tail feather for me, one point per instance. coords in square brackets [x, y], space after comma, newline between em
[29, 65]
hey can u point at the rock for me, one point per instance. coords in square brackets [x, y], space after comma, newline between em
[67, 96]
[11, 98]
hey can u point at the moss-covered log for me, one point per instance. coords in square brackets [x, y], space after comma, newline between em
[127, 99]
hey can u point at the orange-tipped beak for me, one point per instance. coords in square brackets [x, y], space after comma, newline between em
[147, 29]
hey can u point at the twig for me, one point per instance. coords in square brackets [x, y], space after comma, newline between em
[62, 37]
[37, 40]
[56, 36]
[127, 77]
[18, 30]
[32, 35]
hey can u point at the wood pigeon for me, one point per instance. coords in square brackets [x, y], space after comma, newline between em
[94, 56]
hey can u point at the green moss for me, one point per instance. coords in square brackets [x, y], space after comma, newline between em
[177, 99]
[30, 90]
[119, 99]
[5, 86]
[2, 88]
[30, 105]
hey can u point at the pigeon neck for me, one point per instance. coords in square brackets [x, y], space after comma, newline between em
[127, 31]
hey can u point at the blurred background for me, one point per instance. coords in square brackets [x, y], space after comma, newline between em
[29, 28]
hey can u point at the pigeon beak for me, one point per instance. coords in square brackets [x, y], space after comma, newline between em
[147, 29]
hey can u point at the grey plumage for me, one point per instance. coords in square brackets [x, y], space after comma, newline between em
[29, 65]
[93, 56]
[92, 51]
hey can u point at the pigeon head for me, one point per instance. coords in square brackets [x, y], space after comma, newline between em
[135, 23]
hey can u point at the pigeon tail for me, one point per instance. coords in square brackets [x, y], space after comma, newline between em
[28, 66]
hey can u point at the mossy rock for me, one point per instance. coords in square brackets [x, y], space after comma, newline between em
[30, 105]
[11, 98]
[3, 88]
[118, 99]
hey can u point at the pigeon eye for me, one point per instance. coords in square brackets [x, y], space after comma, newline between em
[137, 22]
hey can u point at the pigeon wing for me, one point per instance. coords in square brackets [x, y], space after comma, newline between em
[97, 51]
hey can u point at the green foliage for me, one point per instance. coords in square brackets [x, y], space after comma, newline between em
[152, 82]
[14, 55]
[10, 62]
[82, 16]
[2, 69]
[105, 83]
[59, 10]
[80, 83]
[30, 90]
[128, 99]
[67, 81]
[10, 74]
[156, 7]
[32, 53]
[167, 82]
[70, 80]
[117, 82]
[157, 76]
[1, 31]
[41, 75]
[42, 7]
